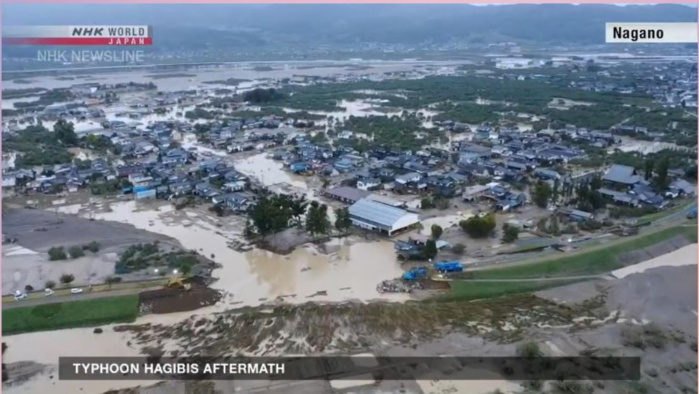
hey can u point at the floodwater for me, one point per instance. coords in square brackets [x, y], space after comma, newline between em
[629, 144]
[194, 79]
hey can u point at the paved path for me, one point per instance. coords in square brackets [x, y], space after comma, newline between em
[75, 297]
[557, 278]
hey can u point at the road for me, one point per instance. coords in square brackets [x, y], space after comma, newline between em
[558, 278]
[75, 297]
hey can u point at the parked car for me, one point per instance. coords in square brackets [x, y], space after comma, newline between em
[48, 292]
[76, 291]
[19, 295]
[692, 214]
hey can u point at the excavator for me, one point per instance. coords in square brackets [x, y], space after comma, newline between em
[177, 282]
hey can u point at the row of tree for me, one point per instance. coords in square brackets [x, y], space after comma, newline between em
[276, 212]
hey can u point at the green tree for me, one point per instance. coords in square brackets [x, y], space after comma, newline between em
[479, 226]
[509, 233]
[541, 194]
[65, 132]
[57, 253]
[317, 221]
[67, 279]
[342, 220]
[436, 231]
[50, 284]
[93, 247]
[75, 252]
[662, 181]
[648, 169]
[430, 250]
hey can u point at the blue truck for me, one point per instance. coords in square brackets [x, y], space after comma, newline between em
[448, 266]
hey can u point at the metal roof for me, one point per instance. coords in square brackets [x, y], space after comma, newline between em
[621, 174]
[376, 212]
[348, 193]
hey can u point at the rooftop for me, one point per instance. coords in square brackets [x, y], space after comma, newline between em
[377, 212]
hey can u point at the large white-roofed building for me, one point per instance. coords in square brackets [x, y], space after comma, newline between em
[382, 218]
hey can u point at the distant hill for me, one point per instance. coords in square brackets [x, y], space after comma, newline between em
[186, 26]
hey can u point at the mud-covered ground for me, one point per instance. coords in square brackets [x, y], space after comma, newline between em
[651, 314]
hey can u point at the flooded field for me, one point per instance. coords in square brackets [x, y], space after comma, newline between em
[239, 71]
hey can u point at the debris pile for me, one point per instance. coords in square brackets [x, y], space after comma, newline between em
[398, 286]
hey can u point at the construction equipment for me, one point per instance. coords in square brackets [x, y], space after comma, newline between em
[177, 282]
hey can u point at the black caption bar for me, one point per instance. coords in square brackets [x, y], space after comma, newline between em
[345, 367]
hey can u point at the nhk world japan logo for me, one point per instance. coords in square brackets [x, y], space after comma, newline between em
[78, 35]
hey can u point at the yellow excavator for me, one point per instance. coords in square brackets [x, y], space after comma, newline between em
[177, 282]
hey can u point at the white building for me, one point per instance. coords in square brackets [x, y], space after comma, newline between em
[375, 216]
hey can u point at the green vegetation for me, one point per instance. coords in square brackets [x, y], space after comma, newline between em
[479, 226]
[317, 219]
[52, 96]
[592, 262]
[67, 279]
[541, 194]
[228, 82]
[137, 257]
[259, 96]
[509, 233]
[342, 220]
[436, 231]
[70, 314]
[93, 247]
[57, 253]
[38, 146]
[466, 290]
[393, 132]
[275, 212]
[76, 252]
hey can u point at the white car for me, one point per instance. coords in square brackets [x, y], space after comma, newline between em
[48, 292]
[76, 291]
[20, 296]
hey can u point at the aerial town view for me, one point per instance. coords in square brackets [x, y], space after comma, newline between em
[375, 180]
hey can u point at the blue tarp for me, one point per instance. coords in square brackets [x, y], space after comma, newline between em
[415, 273]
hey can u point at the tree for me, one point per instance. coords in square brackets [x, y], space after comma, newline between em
[556, 190]
[436, 231]
[430, 250]
[57, 253]
[93, 247]
[342, 220]
[75, 252]
[479, 227]
[648, 169]
[28, 288]
[65, 132]
[541, 194]
[426, 203]
[50, 284]
[509, 233]
[459, 249]
[66, 279]
[661, 179]
[317, 219]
